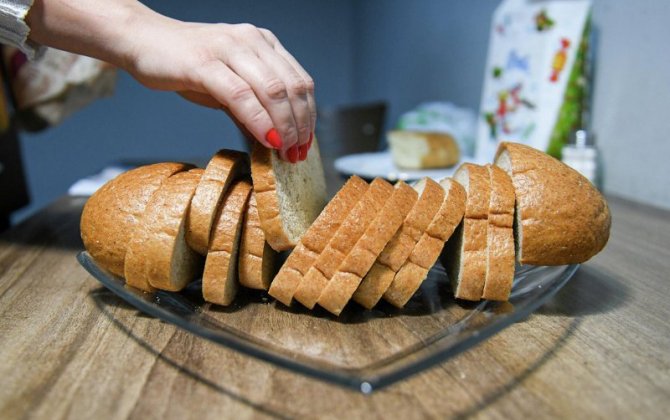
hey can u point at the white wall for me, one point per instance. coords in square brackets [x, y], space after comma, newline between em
[409, 52]
[632, 97]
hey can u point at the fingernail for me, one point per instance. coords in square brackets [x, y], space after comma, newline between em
[293, 154]
[309, 142]
[303, 151]
[274, 138]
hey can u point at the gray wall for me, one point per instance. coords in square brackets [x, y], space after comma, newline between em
[632, 98]
[404, 52]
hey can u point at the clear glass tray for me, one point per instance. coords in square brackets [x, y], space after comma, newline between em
[360, 349]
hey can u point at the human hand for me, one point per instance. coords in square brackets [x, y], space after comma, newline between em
[239, 68]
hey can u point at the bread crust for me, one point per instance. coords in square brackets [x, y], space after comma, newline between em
[362, 256]
[563, 218]
[428, 249]
[500, 237]
[224, 167]
[219, 280]
[350, 231]
[465, 256]
[256, 257]
[158, 256]
[315, 240]
[396, 252]
[112, 213]
[267, 194]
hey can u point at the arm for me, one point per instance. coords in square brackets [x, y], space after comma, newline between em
[239, 68]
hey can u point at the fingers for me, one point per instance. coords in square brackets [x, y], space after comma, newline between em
[281, 51]
[272, 92]
[236, 95]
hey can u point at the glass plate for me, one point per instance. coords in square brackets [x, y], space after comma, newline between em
[360, 349]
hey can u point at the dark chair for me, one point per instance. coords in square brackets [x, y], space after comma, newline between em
[346, 130]
[13, 188]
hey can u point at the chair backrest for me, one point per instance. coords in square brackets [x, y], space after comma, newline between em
[13, 186]
[350, 129]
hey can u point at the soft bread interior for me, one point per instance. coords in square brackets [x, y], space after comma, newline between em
[504, 162]
[301, 190]
[186, 264]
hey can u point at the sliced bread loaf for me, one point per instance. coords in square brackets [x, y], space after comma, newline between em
[219, 280]
[112, 213]
[224, 167]
[465, 253]
[256, 257]
[316, 238]
[500, 237]
[362, 256]
[561, 218]
[352, 228]
[290, 196]
[427, 250]
[396, 252]
[157, 255]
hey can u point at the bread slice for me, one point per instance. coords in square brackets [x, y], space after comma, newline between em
[158, 256]
[290, 196]
[224, 167]
[396, 252]
[352, 228]
[500, 237]
[423, 150]
[561, 218]
[362, 256]
[256, 257]
[112, 213]
[316, 238]
[427, 250]
[219, 280]
[466, 250]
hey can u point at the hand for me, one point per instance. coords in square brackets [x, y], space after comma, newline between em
[239, 68]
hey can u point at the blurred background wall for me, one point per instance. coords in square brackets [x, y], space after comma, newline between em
[399, 51]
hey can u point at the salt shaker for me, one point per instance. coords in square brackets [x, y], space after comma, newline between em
[581, 154]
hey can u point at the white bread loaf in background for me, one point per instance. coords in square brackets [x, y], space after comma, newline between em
[423, 150]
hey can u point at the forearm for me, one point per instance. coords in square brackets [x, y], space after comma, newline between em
[101, 29]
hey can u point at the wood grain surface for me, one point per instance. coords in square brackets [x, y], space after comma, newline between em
[71, 349]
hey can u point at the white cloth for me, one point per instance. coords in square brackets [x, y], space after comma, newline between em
[13, 28]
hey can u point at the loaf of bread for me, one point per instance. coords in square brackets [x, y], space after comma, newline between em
[290, 196]
[157, 254]
[561, 218]
[396, 252]
[427, 250]
[220, 280]
[111, 215]
[374, 240]
[500, 259]
[315, 240]
[224, 168]
[256, 257]
[423, 150]
[466, 252]
[339, 246]
[362, 256]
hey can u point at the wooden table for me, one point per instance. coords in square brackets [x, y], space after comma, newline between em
[68, 348]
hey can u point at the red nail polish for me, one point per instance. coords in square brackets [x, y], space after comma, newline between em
[274, 138]
[303, 151]
[293, 154]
